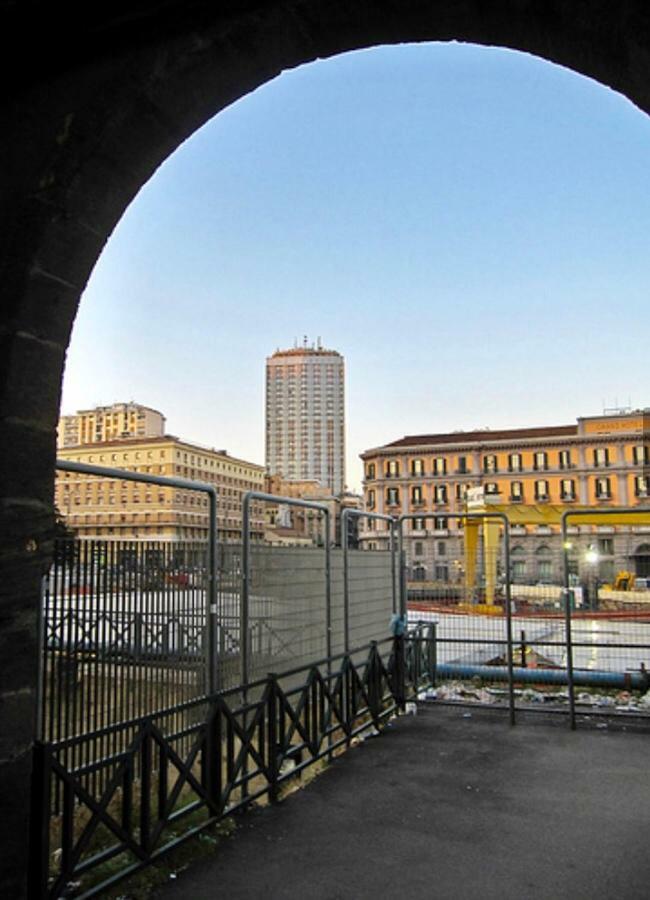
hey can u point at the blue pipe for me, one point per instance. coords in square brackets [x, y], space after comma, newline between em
[586, 677]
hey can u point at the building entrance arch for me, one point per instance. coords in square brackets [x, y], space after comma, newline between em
[97, 105]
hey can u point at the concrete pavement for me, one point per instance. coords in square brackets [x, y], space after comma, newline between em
[451, 804]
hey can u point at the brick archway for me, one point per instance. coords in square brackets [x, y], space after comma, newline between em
[89, 120]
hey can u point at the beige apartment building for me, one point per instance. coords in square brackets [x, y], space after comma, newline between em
[599, 462]
[106, 423]
[286, 524]
[109, 509]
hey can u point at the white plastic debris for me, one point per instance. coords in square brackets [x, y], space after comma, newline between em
[411, 709]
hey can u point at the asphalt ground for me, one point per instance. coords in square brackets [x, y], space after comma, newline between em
[451, 803]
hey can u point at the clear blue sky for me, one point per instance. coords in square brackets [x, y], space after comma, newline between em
[470, 227]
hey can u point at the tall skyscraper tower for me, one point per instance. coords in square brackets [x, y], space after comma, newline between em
[305, 415]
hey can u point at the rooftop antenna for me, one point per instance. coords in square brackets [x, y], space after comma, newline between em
[304, 341]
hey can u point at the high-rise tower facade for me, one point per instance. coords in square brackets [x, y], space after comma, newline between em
[305, 415]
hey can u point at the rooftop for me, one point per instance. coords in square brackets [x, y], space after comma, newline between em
[485, 434]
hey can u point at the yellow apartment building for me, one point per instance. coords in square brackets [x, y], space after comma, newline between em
[598, 462]
[119, 421]
[109, 509]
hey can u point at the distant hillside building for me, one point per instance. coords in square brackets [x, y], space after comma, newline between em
[305, 416]
[119, 421]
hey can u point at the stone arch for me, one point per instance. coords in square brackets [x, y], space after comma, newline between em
[97, 106]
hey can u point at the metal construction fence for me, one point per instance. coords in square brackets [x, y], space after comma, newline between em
[541, 619]
[131, 628]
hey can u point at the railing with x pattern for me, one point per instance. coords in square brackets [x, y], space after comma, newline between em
[95, 824]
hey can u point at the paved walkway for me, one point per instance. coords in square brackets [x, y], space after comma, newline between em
[446, 805]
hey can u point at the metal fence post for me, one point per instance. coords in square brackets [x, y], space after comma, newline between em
[393, 563]
[328, 588]
[508, 602]
[433, 652]
[402, 569]
[567, 602]
[213, 672]
[399, 652]
[39, 824]
[346, 581]
[245, 588]
[272, 713]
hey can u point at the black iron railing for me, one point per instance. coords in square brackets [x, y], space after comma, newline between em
[95, 824]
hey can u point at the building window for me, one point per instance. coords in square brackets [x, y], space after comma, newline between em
[371, 499]
[392, 496]
[442, 548]
[462, 465]
[606, 546]
[440, 524]
[641, 455]
[519, 569]
[544, 569]
[440, 495]
[515, 462]
[603, 489]
[516, 492]
[540, 461]
[564, 459]
[541, 490]
[370, 471]
[417, 548]
[440, 466]
[418, 524]
[490, 465]
[417, 467]
[641, 486]
[460, 492]
[392, 468]
[491, 487]
[567, 489]
[416, 496]
[601, 457]
[442, 573]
